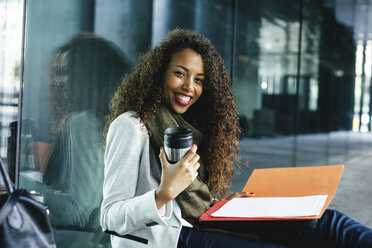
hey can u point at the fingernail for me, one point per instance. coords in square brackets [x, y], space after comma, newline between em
[196, 145]
[250, 193]
[161, 148]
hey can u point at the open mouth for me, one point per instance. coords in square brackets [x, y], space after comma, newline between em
[183, 99]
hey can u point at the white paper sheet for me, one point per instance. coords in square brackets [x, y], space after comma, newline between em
[272, 206]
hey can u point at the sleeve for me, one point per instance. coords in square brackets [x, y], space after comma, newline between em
[83, 154]
[121, 210]
[63, 210]
[86, 160]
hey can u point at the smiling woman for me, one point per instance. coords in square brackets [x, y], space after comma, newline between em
[284, 56]
[183, 80]
[199, 64]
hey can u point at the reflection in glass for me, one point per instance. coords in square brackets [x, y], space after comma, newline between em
[83, 76]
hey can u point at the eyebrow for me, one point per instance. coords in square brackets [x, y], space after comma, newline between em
[199, 74]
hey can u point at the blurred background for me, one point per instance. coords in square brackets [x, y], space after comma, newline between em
[301, 73]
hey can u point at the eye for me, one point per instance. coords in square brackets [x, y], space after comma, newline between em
[180, 74]
[199, 80]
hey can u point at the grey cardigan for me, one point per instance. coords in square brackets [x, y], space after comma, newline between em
[131, 176]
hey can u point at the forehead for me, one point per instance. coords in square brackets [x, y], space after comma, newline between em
[188, 58]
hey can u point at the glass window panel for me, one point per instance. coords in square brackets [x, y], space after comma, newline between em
[76, 53]
[312, 148]
[265, 82]
[70, 75]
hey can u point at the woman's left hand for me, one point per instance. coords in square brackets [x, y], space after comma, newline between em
[239, 194]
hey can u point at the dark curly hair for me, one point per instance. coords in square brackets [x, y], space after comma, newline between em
[142, 92]
[83, 75]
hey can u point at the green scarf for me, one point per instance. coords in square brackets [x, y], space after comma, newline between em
[196, 198]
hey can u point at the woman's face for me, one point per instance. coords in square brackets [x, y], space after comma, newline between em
[183, 80]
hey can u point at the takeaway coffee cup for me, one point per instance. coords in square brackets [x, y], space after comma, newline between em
[177, 142]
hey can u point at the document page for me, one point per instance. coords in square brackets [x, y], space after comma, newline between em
[272, 207]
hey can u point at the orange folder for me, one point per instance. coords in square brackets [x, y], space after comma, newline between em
[287, 182]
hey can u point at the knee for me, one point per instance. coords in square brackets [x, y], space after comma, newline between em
[332, 212]
[335, 218]
[330, 217]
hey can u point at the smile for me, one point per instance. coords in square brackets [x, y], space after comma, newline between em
[183, 99]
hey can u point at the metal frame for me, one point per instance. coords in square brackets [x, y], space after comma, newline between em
[19, 124]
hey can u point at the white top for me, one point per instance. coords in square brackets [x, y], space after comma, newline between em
[131, 176]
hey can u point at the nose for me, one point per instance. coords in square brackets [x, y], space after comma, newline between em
[188, 83]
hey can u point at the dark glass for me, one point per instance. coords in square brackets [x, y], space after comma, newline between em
[312, 91]
[264, 82]
[70, 75]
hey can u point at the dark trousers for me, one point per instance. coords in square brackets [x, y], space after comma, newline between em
[334, 229]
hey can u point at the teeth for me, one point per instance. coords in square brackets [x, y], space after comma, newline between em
[183, 98]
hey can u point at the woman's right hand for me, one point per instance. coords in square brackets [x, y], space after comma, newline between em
[176, 177]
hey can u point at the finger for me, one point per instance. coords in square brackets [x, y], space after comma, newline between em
[163, 157]
[246, 194]
[195, 167]
[194, 159]
[240, 194]
[192, 168]
[191, 153]
[233, 195]
[194, 175]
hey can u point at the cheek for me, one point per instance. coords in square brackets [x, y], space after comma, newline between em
[167, 92]
[200, 91]
[168, 85]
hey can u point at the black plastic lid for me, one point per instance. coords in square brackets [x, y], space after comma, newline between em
[178, 137]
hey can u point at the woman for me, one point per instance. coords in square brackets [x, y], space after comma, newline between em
[146, 200]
